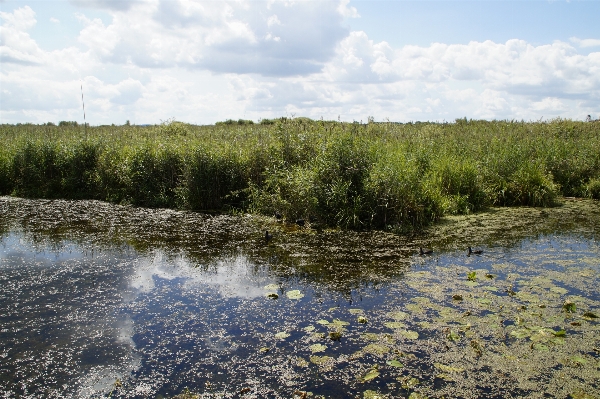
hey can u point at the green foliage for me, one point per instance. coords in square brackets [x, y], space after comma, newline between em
[352, 175]
[593, 189]
[68, 123]
[238, 122]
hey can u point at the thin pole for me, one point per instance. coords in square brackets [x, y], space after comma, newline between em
[83, 105]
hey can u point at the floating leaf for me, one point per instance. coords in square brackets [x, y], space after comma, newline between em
[368, 394]
[409, 334]
[309, 328]
[579, 394]
[294, 294]
[356, 311]
[323, 322]
[335, 335]
[559, 290]
[376, 349]
[490, 288]
[569, 307]
[362, 319]
[317, 348]
[540, 347]
[453, 336]
[560, 333]
[578, 360]
[282, 335]
[370, 336]
[398, 315]
[321, 360]
[520, 333]
[265, 350]
[371, 374]
[471, 283]
[408, 382]
[590, 315]
[394, 325]
[448, 369]
[340, 323]
[417, 395]
[394, 363]
[271, 287]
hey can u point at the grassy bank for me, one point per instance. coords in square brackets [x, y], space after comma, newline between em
[378, 175]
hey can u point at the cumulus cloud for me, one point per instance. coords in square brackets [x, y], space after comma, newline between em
[119, 5]
[16, 45]
[586, 42]
[276, 38]
[202, 62]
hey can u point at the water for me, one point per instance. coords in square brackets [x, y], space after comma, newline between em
[99, 300]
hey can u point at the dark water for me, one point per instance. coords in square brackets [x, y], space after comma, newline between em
[93, 309]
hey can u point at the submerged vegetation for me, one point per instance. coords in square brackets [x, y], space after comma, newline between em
[351, 175]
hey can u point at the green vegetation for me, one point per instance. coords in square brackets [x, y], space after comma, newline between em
[357, 176]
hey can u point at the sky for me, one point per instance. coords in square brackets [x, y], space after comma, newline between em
[152, 61]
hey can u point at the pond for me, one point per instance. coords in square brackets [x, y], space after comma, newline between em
[100, 300]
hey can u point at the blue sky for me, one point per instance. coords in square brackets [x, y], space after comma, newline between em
[205, 61]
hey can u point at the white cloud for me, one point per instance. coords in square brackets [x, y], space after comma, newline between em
[204, 61]
[586, 42]
[54, 20]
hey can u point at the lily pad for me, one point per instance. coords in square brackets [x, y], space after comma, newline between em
[370, 336]
[335, 335]
[356, 311]
[318, 348]
[569, 306]
[541, 347]
[282, 335]
[448, 369]
[453, 336]
[520, 333]
[590, 315]
[398, 315]
[394, 325]
[294, 294]
[271, 287]
[340, 323]
[371, 375]
[323, 322]
[321, 360]
[394, 363]
[559, 290]
[376, 349]
[409, 334]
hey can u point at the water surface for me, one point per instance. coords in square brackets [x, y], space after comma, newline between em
[99, 300]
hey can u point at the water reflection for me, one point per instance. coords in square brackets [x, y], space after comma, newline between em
[82, 315]
[234, 276]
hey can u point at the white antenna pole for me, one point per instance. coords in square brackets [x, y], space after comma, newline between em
[83, 105]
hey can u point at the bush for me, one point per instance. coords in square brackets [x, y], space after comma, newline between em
[593, 189]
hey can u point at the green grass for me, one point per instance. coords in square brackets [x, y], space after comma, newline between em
[378, 175]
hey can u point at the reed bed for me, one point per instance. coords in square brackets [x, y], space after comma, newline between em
[357, 176]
